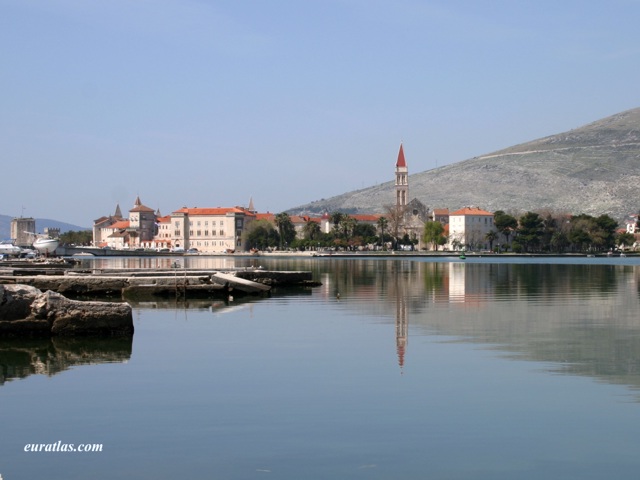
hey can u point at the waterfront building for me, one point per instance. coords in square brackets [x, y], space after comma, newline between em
[137, 231]
[210, 230]
[142, 225]
[468, 228]
[101, 227]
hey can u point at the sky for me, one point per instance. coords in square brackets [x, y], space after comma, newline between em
[209, 103]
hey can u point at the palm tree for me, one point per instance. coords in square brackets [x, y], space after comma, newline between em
[311, 230]
[490, 237]
[382, 223]
[285, 227]
[336, 218]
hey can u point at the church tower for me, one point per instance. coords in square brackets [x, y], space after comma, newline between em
[402, 180]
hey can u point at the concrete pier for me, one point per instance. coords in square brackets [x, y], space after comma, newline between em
[180, 283]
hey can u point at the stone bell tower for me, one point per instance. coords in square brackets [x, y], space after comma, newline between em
[402, 181]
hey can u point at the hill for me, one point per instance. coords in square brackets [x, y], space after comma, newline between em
[41, 223]
[593, 169]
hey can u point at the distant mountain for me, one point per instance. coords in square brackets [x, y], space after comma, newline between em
[593, 169]
[41, 223]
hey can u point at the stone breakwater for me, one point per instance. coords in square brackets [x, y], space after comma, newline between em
[183, 283]
[26, 310]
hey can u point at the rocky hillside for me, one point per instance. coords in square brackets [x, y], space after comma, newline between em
[593, 169]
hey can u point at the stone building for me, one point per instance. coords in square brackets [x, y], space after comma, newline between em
[23, 230]
[210, 230]
[409, 217]
[468, 228]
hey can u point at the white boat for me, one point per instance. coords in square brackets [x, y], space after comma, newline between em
[44, 243]
[8, 248]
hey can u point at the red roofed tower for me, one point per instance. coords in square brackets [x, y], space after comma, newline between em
[402, 180]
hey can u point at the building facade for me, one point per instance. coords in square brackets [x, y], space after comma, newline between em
[468, 228]
[209, 230]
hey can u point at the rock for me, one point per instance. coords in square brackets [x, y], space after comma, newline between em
[16, 300]
[51, 313]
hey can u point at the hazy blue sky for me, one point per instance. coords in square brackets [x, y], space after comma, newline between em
[208, 103]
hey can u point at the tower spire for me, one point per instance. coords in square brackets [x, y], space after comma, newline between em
[402, 180]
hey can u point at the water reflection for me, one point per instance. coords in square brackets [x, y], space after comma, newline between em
[576, 316]
[20, 358]
[577, 319]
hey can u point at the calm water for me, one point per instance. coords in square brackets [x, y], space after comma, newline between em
[420, 370]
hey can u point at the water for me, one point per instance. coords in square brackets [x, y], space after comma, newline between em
[483, 369]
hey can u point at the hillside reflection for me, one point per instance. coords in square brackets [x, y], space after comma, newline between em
[578, 319]
[20, 358]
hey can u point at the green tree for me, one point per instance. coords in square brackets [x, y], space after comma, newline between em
[558, 241]
[506, 224]
[336, 219]
[607, 230]
[80, 237]
[491, 237]
[311, 230]
[286, 230]
[382, 224]
[433, 234]
[625, 239]
[261, 234]
[530, 230]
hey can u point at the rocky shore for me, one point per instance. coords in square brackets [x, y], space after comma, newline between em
[26, 310]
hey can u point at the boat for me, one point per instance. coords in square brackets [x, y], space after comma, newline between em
[45, 244]
[7, 247]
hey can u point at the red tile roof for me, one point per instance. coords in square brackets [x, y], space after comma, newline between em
[211, 211]
[471, 211]
[119, 225]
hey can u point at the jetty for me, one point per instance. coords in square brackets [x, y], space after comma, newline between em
[145, 283]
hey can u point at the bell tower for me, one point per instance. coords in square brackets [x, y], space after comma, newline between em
[402, 180]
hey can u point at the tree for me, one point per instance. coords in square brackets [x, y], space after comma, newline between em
[395, 216]
[261, 234]
[81, 237]
[383, 224]
[592, 233]
[286, 230]
[506, 224]
[336, 218]
[491, 237]
[433, 234]
[530, 230]
[558, 241]
[366, 231]
[625, 239]
[311, 230]
[607, 227]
